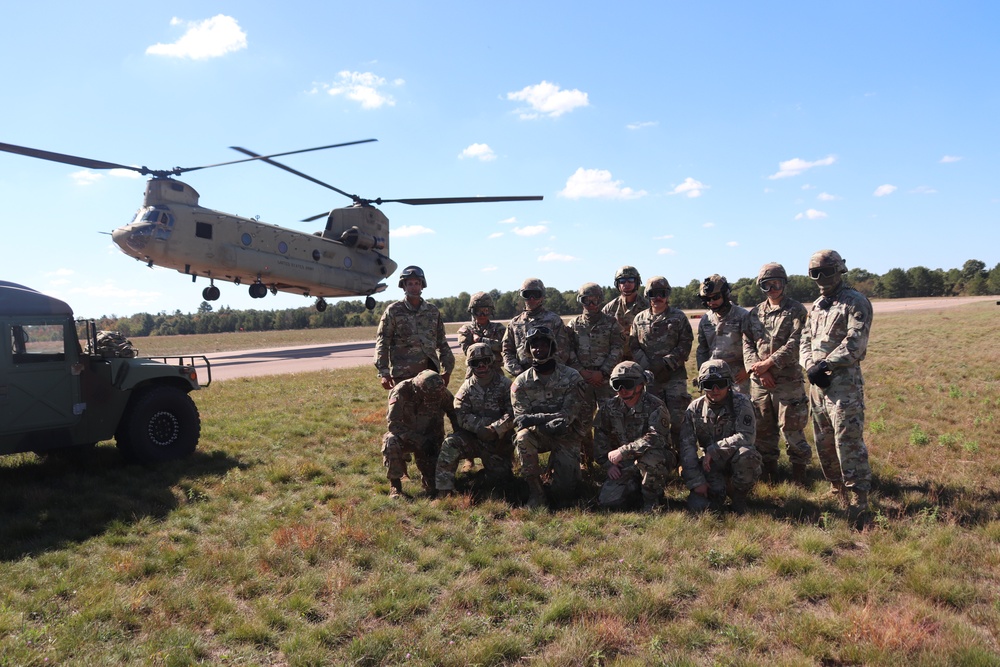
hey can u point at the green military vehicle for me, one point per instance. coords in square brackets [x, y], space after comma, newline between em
[62, 386]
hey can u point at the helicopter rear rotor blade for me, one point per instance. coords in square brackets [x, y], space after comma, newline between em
[456, 200]
[268, 160]
[67, 159]
[266, 157]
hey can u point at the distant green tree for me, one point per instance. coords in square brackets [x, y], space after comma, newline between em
[895, 284]
[204, 307]
[993, 281]
[802, 288]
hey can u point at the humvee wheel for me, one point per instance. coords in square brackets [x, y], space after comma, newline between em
[161, 424]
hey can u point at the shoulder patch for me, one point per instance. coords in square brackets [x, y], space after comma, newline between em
[747, 420]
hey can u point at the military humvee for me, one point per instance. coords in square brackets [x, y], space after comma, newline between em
[60, 390]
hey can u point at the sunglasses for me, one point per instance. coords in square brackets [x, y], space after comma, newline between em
[476, 363]
[771, 286]
[709, 385]
[623, 383]
[531, 294]
[822, 272]
[657, 294]
[625, 280]
[481, 312]
[712, 297]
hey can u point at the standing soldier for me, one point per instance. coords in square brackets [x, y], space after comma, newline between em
[482, 329]
[834, 342]
[627, 304]
[721, 424]
[546, 399]
[771, 354]
[485, 423]
[410, 335]
[720, 330]
[597, 339]
[661, 343]
[416, 426]
[516, 356]
[632, 441]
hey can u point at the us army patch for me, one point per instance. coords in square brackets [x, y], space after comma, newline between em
[747, 419]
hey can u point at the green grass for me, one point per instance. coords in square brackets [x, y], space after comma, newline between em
[276, 544]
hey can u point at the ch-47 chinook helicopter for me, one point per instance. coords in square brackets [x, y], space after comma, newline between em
[350, 257]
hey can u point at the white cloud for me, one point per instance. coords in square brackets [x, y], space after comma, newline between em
[480, 151]
[732, 244]
[808, 187]
[597, 184]
[796, 166]
[883, 190]
[210, 38]
[663, 238]
[508, 221]
[531, 230]
[642, 124]
[826, 196]
[495, 235]
[556, 257]
[690, 188]
[708, 225]
[666, 251]
[411, 230]
[923, 190]
[124, 173]
[85, 177]
[950, 158]
[362, 87]
[548, 99]
[811, 214]
[487, 269]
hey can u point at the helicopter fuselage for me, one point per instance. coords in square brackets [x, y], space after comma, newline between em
[171, 230]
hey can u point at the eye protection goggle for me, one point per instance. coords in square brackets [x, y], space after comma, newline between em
[481, 312]
[625, 280]
[709, 385]
[772, 285]
[822, 272]
[531, 294]
[712, 297]
[590, 300]
[623, 383]
[481, 361]
[657, 294]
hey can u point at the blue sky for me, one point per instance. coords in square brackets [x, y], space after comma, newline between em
[683, 138]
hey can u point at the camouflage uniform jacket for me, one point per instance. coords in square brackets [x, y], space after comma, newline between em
[492, 334]
[597, 343]
[415, 421]
[838, 333]
[410, 340]
[633, 430]
[775, 332]
[721, 337]
[516, 356]
[623, 312]
[667, 336]
[479, 404]
[559, 394]
[720, 432]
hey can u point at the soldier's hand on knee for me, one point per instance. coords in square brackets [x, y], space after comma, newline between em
[386, 381]
[614, 472]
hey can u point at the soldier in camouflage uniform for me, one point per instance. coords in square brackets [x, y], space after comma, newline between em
[721, 423]
[416, 426]
[771, 341]
[410, 335]
[632, 441]
[482, 329]
[485, 423]
[546, 399]
[597, 340]
[516, 356]
[661, 341]
[720, 330]
[834, 342]
[627, 304]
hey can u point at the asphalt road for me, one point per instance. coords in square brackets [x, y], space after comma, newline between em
[275, 361]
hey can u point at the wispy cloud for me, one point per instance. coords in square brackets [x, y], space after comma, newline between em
[690, 188]
[666, 251]
[597, 184]
[642, 124]
[494, 235]
[365, 88]
[556, 257]
[548, 99]
[950, 158]
[796, 166]
[663, 238]
[732, 244]
[479, 151]
[708, 225]
[210, 38]
[508, 221]
[923, 190]
[883, 190]
[85, 177]
[530, 230]
[411, 230]
[811, 214]
[826, 196]
[487, 269]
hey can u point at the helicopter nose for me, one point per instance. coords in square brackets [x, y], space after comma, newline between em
[131, 237]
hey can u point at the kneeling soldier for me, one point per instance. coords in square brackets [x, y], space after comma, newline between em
[632, 441]
[485, 423]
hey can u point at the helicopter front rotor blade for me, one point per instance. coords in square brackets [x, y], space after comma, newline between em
[315, 217]
[457, 200]
[264, 158]
[67, 159]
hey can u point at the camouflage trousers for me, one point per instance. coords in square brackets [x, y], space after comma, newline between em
[677, 398]
[648, 475]
[591, 397]
[784, 411]
[497, 458]
[838, 420]
[564, 459]
[396, 453]
[737, 474]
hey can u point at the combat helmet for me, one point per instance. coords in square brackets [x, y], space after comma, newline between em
[658, 282]
[826, 259]
[479, 351]
[541, 332]
[412, 272]
[429, 382]
[533, 283]
[626, 374]
[481, 300]
[715, 369]
[714, 284]
[772, 271]
[590, 290]
[628, 272]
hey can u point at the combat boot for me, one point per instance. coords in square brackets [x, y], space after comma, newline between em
[738, 503]
[799, 475]
[771, 471]
[428, 484]
[395, 489]
[840, 491]
[858, 509]
[536, 494]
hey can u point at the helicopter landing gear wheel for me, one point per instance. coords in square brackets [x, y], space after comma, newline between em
[320, 304]
[258, 290]
[210, 293]
[370, 303]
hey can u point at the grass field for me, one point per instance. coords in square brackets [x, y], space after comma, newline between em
[276, 544]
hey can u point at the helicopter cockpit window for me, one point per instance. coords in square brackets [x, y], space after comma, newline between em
[203, 230]
[33, 343]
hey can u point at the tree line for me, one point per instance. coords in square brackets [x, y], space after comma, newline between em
[972, 279]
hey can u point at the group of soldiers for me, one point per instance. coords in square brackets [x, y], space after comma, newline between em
[610, 388]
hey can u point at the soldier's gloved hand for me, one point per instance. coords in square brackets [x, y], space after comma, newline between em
[527, 421]
[819, 374]
[486, 433]
[556, 427]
